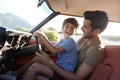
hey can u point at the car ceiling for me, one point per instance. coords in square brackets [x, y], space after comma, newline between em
[77, 7]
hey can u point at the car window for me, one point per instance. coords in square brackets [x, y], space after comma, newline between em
[22, 15]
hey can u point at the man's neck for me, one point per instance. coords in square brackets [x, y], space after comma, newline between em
[93, 40]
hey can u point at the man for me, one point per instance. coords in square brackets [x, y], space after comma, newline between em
[90, 52]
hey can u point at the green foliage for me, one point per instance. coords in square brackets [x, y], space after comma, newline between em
[20, 28]
[52, 35]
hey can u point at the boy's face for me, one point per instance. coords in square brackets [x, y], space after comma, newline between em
[87, 29]
[68, 30]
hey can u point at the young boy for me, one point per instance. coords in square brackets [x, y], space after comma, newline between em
[66, 47]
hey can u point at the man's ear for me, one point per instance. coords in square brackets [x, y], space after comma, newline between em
[97, 31]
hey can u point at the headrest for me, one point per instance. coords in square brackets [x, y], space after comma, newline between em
[112, 51]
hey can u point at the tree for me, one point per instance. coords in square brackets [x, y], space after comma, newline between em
[52, 35]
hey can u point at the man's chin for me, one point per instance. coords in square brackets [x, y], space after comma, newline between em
[85, 37]
[69, 34]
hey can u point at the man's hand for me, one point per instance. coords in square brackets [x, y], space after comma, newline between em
[43, 58]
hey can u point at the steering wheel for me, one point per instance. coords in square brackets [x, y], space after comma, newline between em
[37, 44]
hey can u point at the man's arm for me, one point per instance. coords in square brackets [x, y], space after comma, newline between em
[83, 71]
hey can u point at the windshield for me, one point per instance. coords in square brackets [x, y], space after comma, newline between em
[22, 15]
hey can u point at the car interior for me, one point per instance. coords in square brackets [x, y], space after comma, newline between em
[108, 69]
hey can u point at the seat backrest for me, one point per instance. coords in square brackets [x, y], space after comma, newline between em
[109, 69]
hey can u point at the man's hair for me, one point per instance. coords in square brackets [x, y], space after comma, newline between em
[72, 21]
[98, 19]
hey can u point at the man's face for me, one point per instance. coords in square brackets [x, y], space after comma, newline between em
[87, 29]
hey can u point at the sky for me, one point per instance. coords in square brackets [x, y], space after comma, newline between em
[113, 29]
[27, 9]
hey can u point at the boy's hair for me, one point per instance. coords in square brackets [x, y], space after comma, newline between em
[99, 19]
[72, 21]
